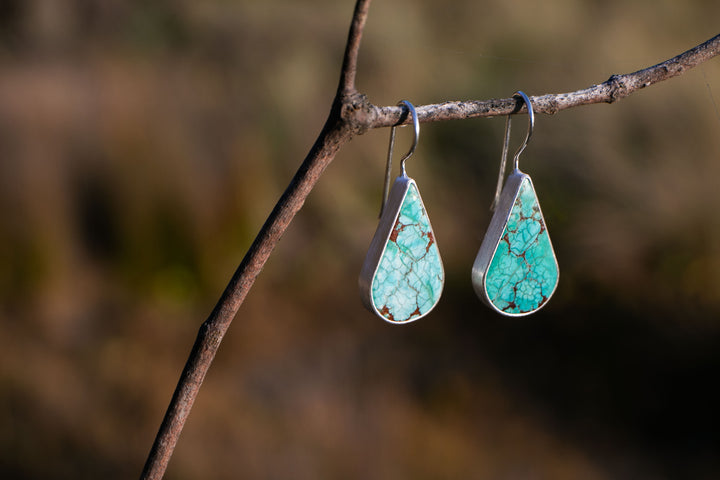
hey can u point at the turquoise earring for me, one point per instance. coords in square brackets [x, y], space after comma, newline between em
[516, 271]
[402, 277]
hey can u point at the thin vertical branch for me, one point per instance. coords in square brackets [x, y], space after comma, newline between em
[335, 133]
[352, 49]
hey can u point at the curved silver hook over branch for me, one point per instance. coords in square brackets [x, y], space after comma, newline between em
[506, 144]
[388, 167]
[531, 125]
[416, 134]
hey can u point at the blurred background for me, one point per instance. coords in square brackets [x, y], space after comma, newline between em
[142, 145]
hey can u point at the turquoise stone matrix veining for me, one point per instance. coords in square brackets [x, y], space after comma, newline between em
[523, 271]
[408, 279]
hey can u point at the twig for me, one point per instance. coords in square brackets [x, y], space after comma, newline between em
[352, 114]
[349, 66]
[336, 132]
[613, 89]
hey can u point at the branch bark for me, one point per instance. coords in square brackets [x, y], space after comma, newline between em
[352, 114]
[336, 132]
[613, 89]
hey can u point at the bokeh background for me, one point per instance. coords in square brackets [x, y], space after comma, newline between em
[142, 145]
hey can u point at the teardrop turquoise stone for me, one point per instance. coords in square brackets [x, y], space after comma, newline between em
[523, 272]
[409, 278]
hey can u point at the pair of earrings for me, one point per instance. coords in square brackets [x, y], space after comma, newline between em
[515, 271]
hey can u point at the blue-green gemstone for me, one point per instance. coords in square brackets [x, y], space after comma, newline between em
[523, 272]
[409, 278]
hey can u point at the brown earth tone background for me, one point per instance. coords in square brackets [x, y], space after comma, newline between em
[142, 145]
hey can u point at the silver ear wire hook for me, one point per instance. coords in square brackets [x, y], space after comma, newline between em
[388, 167]
[506, 144]
[503, 161]
[531, 125]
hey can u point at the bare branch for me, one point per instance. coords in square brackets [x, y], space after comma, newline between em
[614, 88]
[336, 132]
[212, 331]
[349, 66]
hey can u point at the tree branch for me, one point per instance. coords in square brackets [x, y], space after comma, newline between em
[352, 114]
[613, 89]
[336, 132]
[352, 48]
